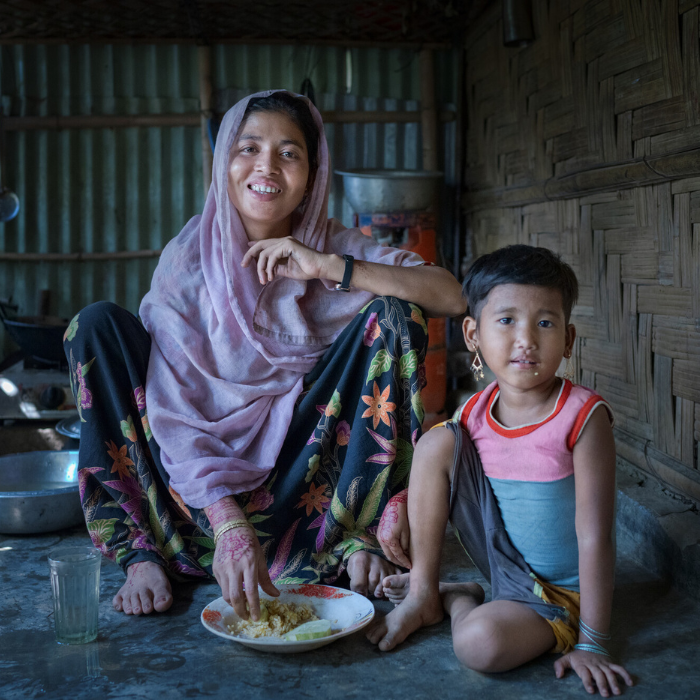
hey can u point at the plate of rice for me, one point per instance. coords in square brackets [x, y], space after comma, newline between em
[297, 604]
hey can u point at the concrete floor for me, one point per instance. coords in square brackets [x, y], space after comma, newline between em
[173, 656]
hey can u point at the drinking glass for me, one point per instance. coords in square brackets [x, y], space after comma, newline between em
[75, 582]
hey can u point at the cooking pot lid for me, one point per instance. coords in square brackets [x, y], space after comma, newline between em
[70, 427]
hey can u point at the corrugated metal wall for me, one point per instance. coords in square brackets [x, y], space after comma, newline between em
[95, 190]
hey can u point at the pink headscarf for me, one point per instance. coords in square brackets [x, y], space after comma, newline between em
[228, 356]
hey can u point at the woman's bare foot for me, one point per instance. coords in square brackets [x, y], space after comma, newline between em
[396, 589]
[419, 609]
[146, 589]
[367, 571]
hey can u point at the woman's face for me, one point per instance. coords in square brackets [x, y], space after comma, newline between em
[268, 173]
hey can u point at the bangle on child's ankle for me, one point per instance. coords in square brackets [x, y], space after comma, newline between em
[596, 638]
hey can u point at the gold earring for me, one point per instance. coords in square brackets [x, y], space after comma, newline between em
[477, 367]
[569, 372]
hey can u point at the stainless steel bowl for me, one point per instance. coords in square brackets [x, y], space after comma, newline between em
[386, 191]
[39, 492]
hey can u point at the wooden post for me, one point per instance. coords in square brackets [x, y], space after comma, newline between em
[428, 111]
[205, 94]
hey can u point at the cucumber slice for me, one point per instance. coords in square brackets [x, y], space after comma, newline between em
[309, 630]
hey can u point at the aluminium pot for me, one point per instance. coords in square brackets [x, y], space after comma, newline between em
[39, 492]
[386, 191]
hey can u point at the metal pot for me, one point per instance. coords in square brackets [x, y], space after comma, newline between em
[386, 191]
[40, 337]
[39, 492]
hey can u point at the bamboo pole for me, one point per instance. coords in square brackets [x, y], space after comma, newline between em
[113, 121]
[188, 40]
[100, 121]
[205, 95]
[635, 173]
[428, 112]
[79, 257]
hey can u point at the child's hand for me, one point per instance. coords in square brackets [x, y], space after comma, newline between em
[393, 532]
[594, 670]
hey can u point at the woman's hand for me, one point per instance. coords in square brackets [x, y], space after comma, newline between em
[287, 257]
[239, 562]
[393, 532]
[595, 671]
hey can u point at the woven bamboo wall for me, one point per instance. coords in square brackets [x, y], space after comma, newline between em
[586, 142]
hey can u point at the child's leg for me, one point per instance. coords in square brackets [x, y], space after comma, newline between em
[496, 636]
[428, 510]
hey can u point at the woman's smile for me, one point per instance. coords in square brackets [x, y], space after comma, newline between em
[264, 190]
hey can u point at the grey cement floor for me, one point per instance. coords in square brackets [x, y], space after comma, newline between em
[172, 656]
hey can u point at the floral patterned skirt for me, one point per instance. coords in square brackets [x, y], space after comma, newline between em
[348, 448]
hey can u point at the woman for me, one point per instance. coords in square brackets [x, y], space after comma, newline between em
[280, 420]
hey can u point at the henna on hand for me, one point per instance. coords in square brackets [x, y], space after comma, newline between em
[395, 508]
[234, 545]
[393, 531]
[223, 511]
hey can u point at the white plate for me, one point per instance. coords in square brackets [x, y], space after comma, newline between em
[347, 611]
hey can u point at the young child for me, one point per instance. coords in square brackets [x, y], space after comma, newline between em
[525, 472]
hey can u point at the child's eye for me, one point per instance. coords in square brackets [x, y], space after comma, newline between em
[545, 324]
[505, 321]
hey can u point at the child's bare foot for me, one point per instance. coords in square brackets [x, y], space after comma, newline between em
[367, 571]
[419, 609]
[396, 589]
[146, 589]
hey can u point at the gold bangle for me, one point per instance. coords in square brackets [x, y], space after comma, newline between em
[231, 525]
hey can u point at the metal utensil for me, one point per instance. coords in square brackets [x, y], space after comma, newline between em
[386, 191]
[39, 492]
[9, 201]
[69, 427]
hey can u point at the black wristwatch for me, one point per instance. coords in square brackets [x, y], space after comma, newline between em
[344, 286]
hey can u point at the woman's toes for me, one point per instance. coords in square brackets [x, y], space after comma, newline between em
[146, 602]
[135, 604]
[359, 574]
[126, 605]
[117, 602]
[162, 598]
[374, 580]
[359, 587]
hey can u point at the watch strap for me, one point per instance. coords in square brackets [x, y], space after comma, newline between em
[344, 286]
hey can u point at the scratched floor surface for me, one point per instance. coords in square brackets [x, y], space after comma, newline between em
[172, 656]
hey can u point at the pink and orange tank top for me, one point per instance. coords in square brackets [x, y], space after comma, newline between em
[531, 472]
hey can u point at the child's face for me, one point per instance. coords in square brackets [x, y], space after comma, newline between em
[522, 334]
